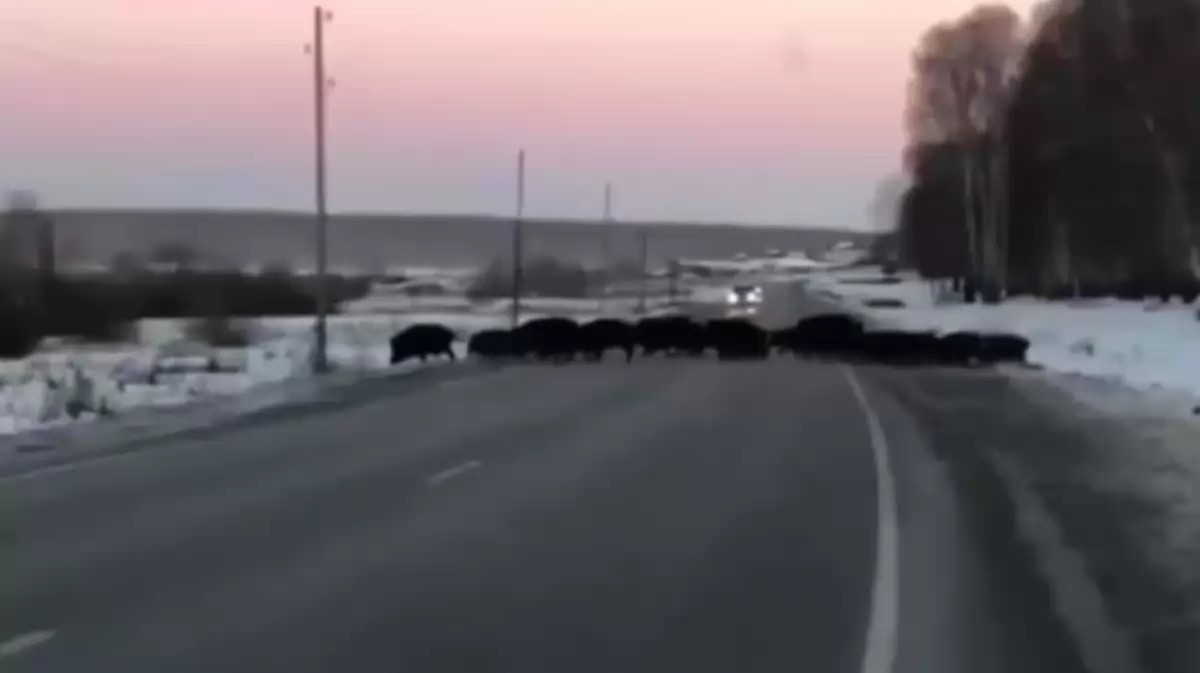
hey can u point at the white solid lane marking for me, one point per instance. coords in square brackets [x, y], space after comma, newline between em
[435, 479]
[883, 628]
[17, 645]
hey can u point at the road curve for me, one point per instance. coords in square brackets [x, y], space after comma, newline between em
[660, 516]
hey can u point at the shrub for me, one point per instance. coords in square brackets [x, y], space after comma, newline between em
[541, 276]
[883, 302]
[104, 308]
[19, 335]
[90, 311]
[193, 294]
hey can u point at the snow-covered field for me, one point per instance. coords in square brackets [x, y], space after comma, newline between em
[456, 303]
[1148, 347]
[63, 384]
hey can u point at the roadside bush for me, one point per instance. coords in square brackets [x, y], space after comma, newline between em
[18, 333]
[883, 302]
[884, 280]
[192, 294]
[188, 294]
[103, 308]
[88, 311]
[541, 277]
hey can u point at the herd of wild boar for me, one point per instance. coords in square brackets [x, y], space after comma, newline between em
[833, 336]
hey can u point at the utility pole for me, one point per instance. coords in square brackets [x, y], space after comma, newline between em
[518, 243]
[321, 84]
[606, 247]
[672, 281]
[643, 258]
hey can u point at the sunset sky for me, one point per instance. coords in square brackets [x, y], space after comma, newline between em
[756, 111]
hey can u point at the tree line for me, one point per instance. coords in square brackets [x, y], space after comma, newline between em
[1056, 156]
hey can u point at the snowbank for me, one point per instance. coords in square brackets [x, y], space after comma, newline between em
[1128, 383]
[65, 385]
[401, 304]
[1146, 346]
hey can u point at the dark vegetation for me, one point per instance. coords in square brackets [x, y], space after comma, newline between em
[540, 277]
[104, 307]
[603, 334]
[36, 301]
[1059, 158]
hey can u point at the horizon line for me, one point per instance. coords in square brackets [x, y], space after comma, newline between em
[465, 215]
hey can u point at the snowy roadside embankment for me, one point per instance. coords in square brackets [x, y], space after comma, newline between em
[162, 369]
[62, 385]
[1149, 347]
[1125, 378]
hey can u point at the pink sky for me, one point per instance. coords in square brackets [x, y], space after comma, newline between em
[761, 110]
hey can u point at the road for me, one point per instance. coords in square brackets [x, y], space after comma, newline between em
[660, 516]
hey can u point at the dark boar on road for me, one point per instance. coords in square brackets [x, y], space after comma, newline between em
[823, 335]
[900, 347]
[653, 335]
[738, 339]
[983, 348]
[960, 348]
[422, 340]
[689, 337]
[671, 335]
[1010, 348]
[549, 339]
[492, 344]
[603, 334]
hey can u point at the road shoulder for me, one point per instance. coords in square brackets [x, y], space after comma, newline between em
[146, 428]
[973, 596]
[1129, 503]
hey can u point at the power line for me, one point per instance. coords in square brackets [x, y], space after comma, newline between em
[606, 245]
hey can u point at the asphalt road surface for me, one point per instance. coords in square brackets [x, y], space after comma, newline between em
[665, 516]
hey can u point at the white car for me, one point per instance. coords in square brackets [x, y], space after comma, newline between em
[744, 296]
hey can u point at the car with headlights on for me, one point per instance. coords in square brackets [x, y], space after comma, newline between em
[744, 299]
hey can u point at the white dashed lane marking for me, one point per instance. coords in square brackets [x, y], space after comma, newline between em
[435, 479]
[18, 644]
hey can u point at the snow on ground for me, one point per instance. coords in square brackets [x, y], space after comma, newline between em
[451, 303]
[1149, 347]
[62, 384]
[1125, 375]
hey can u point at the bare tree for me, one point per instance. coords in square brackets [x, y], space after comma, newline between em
[1079, 167]
[959, 94]
[28, 245]
[885, 204]
[177, 254]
